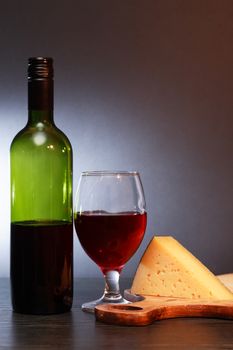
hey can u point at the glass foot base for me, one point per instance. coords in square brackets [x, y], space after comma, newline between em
[90, 306]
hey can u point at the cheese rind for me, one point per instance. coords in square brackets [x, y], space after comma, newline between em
[169, 269]
[227, 280]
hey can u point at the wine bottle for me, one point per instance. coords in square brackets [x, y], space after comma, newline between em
[41, 248]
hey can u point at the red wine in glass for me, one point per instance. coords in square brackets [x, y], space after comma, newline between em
[110, 239]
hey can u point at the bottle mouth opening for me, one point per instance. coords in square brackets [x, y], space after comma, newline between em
[40, 68]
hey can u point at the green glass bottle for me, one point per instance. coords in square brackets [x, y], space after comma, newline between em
[41, 265]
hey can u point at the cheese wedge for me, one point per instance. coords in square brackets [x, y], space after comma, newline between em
[168, 269]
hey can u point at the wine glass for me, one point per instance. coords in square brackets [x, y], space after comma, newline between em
[110, 221]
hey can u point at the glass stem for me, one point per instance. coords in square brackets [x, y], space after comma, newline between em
[112, 290]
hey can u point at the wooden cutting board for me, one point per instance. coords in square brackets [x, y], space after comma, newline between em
[145, 310]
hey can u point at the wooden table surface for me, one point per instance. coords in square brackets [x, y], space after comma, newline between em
[79, 330]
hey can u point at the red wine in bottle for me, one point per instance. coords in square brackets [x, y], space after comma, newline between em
[41, 264]
[41, 261]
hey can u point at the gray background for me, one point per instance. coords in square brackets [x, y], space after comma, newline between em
[140, 85]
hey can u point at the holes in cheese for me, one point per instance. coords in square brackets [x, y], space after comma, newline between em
[169, 269]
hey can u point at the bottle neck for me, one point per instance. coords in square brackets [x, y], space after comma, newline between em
[38, 116]
[40, 101]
